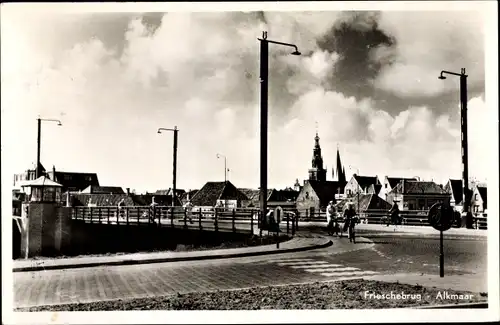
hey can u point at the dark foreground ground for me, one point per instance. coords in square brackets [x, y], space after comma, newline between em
[349, 294]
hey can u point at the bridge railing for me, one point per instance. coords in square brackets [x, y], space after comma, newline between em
[213, 219]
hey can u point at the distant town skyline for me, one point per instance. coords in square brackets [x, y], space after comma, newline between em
[367, 82]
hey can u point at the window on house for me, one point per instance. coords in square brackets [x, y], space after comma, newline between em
[67, 177]
[385, 185]
[476, 197]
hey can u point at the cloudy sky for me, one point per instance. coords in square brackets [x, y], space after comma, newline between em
[367, 79]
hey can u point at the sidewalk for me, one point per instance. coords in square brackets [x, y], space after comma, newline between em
[294, 245]
[421, 230]
[464, 282]
[424, 230]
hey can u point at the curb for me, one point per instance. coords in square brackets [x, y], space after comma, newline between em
[170, 259]
[482, 304]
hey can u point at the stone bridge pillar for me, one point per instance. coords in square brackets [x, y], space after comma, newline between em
[46, 229]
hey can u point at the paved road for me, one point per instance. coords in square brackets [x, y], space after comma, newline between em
[385, 253]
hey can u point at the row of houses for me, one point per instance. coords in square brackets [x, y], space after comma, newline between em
[367, 192]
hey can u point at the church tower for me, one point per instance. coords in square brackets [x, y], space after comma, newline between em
[317, 173]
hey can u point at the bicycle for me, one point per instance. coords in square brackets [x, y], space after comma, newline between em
[351, 230]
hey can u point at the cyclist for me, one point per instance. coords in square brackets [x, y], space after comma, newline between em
[350, 219]
[394, 216]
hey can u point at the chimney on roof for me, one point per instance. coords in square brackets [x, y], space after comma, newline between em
[128, 190]
[54, 173]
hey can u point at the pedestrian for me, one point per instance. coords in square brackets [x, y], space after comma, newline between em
[394, 215]
[189, 210]
[349, 220]
[121, 205]
[152, 210]
[330, 214]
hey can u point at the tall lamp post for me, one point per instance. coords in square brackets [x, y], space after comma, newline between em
[464, 141]
[225, 165]
[39, 123]
[174, 178]
[264, 71]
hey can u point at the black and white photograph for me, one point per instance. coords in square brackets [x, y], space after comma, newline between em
[277, 159]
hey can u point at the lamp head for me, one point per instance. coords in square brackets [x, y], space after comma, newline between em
[59, 123]
[296, 53]
[441, 77]
[159, 131]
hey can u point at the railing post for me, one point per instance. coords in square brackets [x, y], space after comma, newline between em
[171, 217]
[138, 216]
[307, 215]
[297, 223]
[259, 214]
[90, 215]
[185, 218]
[234, 221]
[288, 224]
[251, 222]
[293, 225]
[215, 220]
[199, 218]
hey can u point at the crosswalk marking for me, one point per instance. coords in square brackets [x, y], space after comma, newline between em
[323, 268]
[337, 270]
[298, 263]
[292, 260]
[348, 273]
[314, 266]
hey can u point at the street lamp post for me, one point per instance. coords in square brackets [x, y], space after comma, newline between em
[225, 165]
[174, 178]
[264, 71]
[464, 140]
[39, 137]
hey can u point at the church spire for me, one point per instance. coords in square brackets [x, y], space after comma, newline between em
[340, 170]
[317, 172]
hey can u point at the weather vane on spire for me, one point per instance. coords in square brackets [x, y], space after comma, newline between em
[316, 123]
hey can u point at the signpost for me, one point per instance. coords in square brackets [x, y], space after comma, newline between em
[441, 218]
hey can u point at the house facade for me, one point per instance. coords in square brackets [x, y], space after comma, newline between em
[315, 195]
[479, 201]
[362, 185]
[390, 183]
[417, 195]
[25, 177]
[73, 181]
[222, 194]
[454, 187]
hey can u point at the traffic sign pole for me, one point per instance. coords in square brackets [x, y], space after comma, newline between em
[441, 255]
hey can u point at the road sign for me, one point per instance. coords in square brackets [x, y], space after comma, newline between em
[441, 216]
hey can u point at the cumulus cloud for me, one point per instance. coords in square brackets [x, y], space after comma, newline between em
[426, 43]
[200, 72]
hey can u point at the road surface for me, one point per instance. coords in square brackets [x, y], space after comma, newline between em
[382, 254]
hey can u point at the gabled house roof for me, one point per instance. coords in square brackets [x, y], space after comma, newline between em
[325, 191]
[147, 199]
[283, 195]
[394, 181]
[74, 181]
[213, 191]
[484, 195]
[94, 189]
[188, 195]
[455, 188]
[366, 181]
[83, 199]
[416, 187]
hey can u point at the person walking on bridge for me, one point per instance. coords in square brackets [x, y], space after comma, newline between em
[330, 217]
